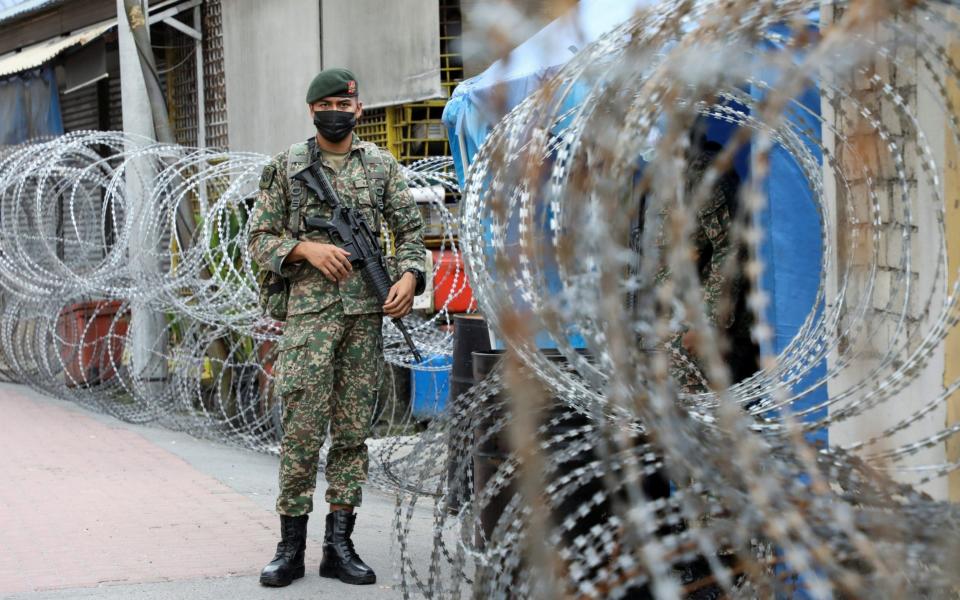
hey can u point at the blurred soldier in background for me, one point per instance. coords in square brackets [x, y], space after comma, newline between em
[723, 289]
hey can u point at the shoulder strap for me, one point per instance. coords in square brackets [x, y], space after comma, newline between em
[297, 158]
[376, 173]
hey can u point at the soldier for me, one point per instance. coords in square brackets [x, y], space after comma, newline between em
[712, 245]
[330, 357]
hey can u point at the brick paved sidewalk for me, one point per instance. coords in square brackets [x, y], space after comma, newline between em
[84, 503]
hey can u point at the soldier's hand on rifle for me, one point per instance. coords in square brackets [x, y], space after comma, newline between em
[400, 299]
[330, 260]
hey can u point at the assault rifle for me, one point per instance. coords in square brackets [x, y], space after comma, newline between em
[349, 231]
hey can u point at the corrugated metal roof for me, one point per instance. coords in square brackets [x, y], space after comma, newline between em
[10, 10]
[31, 57]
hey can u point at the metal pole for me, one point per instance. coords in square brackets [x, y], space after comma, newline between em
[137, 117]
[201, 99]
[148, 334]
[138, 25]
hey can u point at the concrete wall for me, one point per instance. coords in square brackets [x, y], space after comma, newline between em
[392, 47]
[271, 52]
[875, 333]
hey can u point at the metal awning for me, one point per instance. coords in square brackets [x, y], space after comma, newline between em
[37, 54]
[22, 8]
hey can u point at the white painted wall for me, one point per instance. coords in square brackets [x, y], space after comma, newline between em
[271, 52]
[392, 47]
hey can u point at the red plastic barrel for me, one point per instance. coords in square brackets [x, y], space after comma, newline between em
[91, 337]
[449, 277]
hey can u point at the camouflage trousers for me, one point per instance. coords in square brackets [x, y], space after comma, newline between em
[328, 372]
[685, 369]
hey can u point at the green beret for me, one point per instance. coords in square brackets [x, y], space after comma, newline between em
[332, 82]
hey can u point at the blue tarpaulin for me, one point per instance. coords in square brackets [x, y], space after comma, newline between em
[29, 107]
[792, 250]
[469, 115]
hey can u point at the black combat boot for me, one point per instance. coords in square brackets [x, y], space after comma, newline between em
[287, 564]
[340, 560]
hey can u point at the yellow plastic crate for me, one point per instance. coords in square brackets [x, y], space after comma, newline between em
[420, 132]
[451, 58]
[378, 126]
[414, 131]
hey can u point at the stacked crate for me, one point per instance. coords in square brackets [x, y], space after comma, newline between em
[451, 58]
[415, 131]
[377, 126]
[419, 127]
[419, 130]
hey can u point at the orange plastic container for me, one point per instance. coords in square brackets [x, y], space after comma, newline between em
[91, 338]
[450, 277]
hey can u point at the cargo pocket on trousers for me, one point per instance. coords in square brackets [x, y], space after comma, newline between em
[292, 358]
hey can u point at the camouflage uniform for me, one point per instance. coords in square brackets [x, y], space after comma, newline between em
[712, 245]
[330, 357]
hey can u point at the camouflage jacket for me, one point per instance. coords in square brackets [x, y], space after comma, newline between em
[711, 237]
[270, 241]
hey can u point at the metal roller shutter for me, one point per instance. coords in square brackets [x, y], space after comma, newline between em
[80, 109]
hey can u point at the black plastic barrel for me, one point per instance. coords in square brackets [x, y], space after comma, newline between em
[566, 428]
[470, 334]
[490, 453]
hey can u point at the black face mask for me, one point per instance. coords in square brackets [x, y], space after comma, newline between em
[334, 125]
